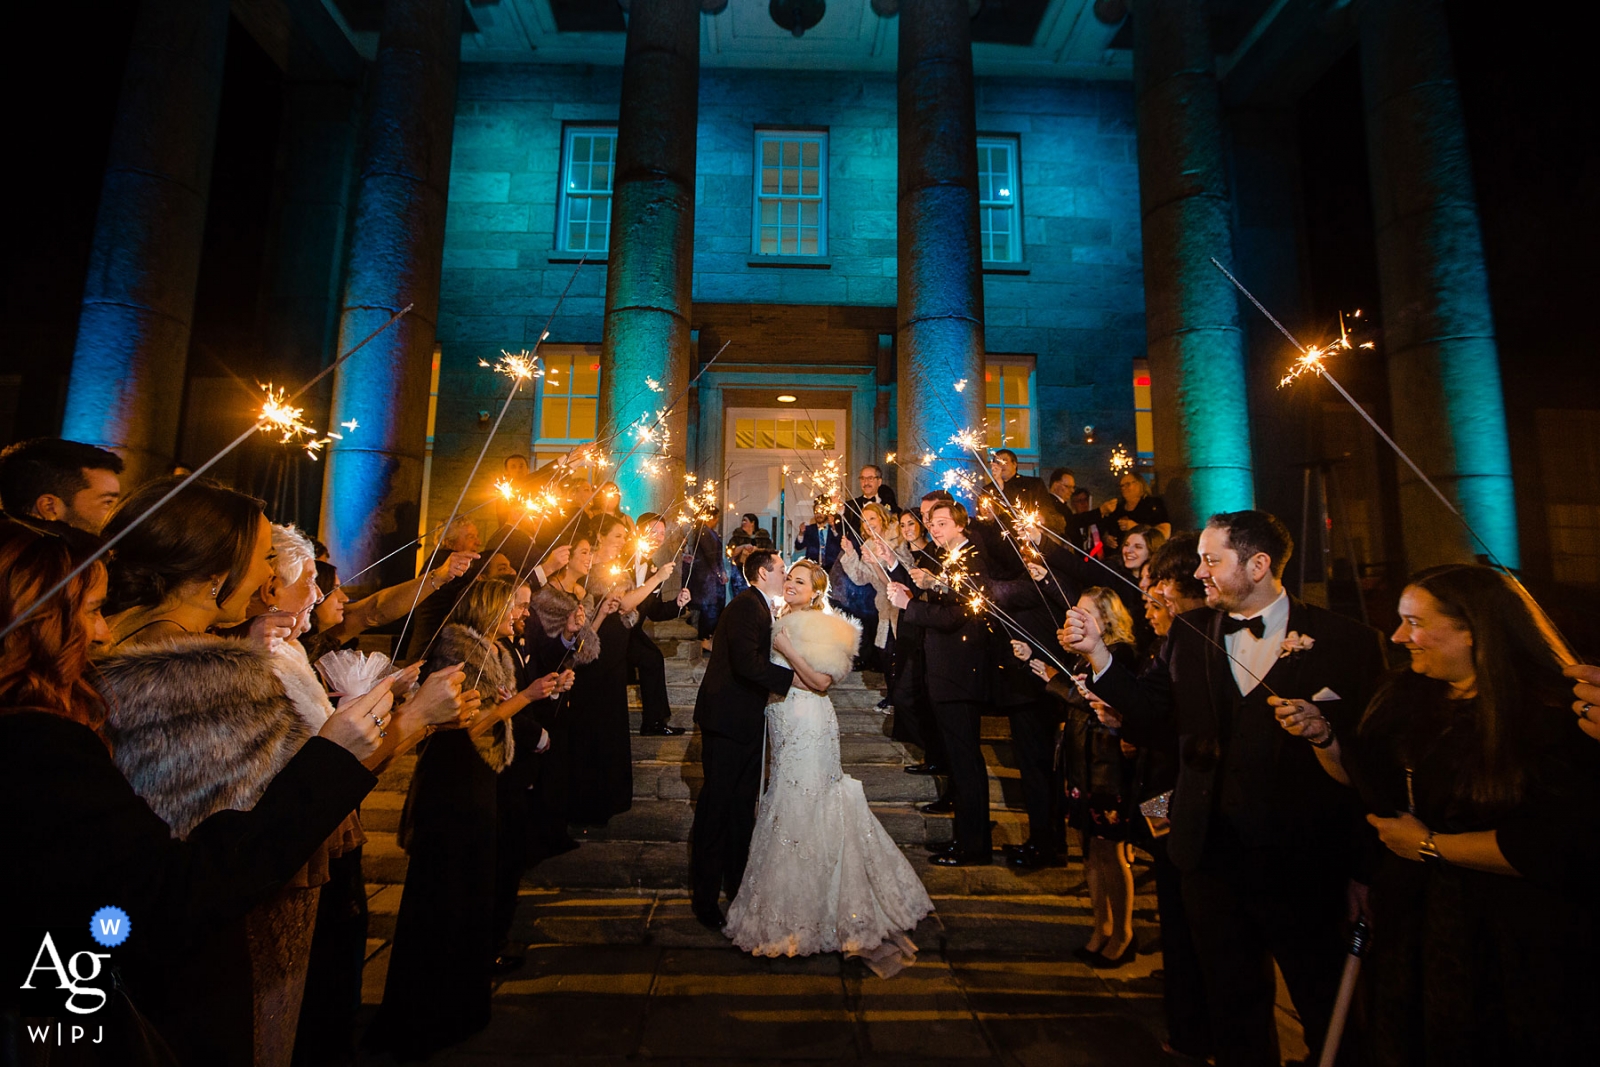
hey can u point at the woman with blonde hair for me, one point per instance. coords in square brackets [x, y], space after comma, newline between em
[822, 875]
[881, 551]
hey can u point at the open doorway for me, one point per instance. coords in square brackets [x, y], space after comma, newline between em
[769, 455]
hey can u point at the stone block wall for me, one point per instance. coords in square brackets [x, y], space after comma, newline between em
[1075, 302]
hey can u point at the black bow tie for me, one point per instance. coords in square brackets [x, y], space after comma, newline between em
[1257, 626]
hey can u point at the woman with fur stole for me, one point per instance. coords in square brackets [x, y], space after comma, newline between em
[200, 724]
[823, 876]
[438, 985]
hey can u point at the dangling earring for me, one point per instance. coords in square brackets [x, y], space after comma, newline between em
[213, 590]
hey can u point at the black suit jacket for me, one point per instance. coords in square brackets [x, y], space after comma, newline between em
[733, 694]
[957, 642]
[1185, 702]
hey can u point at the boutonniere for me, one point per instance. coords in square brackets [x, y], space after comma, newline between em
[1295, 642]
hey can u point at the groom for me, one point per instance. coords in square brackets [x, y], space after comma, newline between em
[731, 711]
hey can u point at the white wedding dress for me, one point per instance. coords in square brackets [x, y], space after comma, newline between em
[823, 876]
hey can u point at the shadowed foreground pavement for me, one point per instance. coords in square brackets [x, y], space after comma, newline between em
[621, 976]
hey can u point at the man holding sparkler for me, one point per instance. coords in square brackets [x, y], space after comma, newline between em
[957, 643]
[1266, 849]
[645, 661]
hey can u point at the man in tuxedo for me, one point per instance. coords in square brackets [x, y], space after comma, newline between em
[1021, 490]
[731, 711]
[874, 490]
[1265, 842]
[646, 664]
[957, 664]
[821, 538]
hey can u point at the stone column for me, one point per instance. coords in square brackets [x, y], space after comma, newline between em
[1438, 334]
[940, 290]
[651, 261]
[299, 307]
[373, 484]
[138, 303]
[1197, 365]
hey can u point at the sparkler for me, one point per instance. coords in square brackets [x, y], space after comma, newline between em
[28, 611]
[279, 415]
[1121, 462]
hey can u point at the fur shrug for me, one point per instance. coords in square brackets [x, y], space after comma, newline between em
[826, 640]
[553, 607]
[198, 725]
[490, 670]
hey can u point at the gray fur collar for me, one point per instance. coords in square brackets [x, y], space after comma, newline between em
[489, 667]
[198, 724]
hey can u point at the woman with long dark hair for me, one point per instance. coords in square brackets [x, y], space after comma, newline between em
[77, 836]
[1484, 793]
[599, 746]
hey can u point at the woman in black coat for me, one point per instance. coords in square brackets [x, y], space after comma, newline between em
[78, 838]
[1483, 792]
[438, 986]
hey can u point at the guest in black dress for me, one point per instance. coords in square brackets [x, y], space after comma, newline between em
[600, 749]
[705, 575]
[1133, 506]
[1101, 804]
[1483, 790]
[438, 988]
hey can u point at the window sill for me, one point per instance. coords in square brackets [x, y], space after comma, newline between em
[792, 262]
[575, 258]
[1006, 268]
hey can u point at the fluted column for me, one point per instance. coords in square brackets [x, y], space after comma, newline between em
[651, 260]
[1196, 353]
[373, 484]
[138, 303]
[940, 289]
[1438, 333]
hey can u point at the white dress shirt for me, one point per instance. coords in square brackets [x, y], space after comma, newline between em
[1250, 658]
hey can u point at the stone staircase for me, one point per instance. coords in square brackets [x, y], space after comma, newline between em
[646, 848]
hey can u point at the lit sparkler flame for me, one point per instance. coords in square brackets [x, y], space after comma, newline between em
[1312, 360]
[519, 366]
[1121, 462]
[279, 416]
[968, 439]
[888, 457]
[961, 385]
[653, 385]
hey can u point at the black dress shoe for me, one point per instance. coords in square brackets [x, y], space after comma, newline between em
[924, 768]
[505, 964]
[661, 731]
[1101, 962]
[711, 918]
[884, 704]
[948, 846]
[1029, 858]
[942, 806]
[961, 859]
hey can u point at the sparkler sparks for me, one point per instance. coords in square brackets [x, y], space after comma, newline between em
[1121, 462]
[278, 415]
[1312, 360]
[961, 385]
[969, 440]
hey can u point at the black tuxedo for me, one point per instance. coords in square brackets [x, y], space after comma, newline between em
[731, 711]
[1264, 838]
[852, 510]
[646, 662]
[957, 668]
[1027, 492]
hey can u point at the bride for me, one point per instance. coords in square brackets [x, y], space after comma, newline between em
[823, 876]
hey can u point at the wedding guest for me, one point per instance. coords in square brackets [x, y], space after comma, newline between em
[1266, 843]
[1101, 805]
[1138, 545]
[881, 551]
[78, 834]
[1021, 491]
[957, 669]
[913, 716]
[705, 575]
[646, 664]
[1133, 506]
[437, 991]
[1484, 793]
[819, 539]
[428, 615]
[1586, 697]
[874, 490]
[1063, 483]
[68, 485]
[561, 641]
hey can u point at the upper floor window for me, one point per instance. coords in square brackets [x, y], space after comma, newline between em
[1008, 404]
[791, 193]
[588, 166]
[999, 221]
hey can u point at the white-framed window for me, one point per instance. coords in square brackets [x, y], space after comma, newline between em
[999, 200]
[791, 193]
[1009, 409]
[588, 167]
[568, 397]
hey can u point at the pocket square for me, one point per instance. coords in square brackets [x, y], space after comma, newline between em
[1325, 694]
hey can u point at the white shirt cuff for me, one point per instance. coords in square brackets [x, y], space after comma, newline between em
[539, 572]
